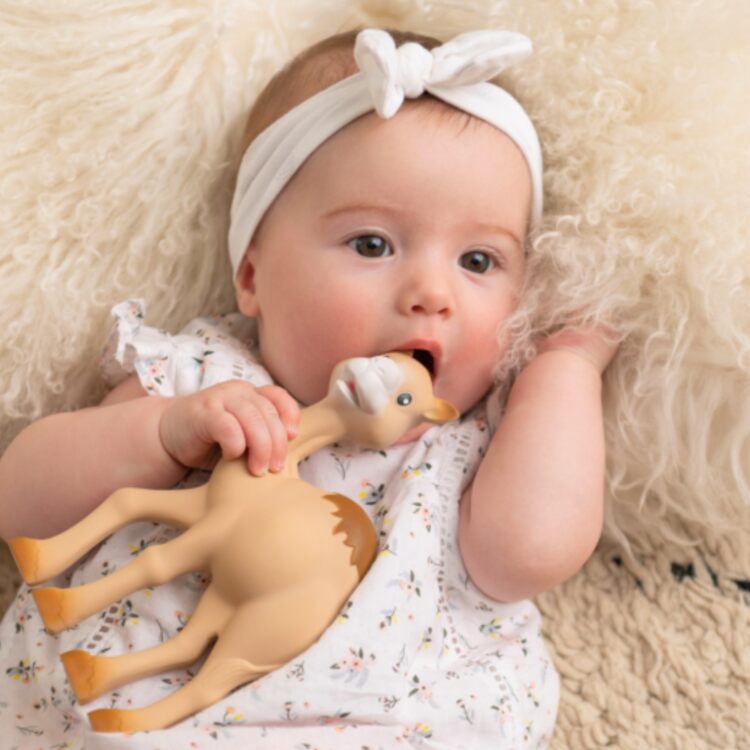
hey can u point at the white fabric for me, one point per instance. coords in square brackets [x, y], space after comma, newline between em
[200, 356]
[418, 657]
[456, 72]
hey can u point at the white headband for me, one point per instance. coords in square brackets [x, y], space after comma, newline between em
[456, 72]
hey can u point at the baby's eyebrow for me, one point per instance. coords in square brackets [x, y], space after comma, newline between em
[353, 207]
[497, 229]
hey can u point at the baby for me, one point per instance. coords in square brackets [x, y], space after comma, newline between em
[354, 232]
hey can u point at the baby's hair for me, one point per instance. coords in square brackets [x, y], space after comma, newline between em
[320, 66]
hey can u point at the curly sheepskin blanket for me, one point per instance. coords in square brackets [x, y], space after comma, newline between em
[119, 141]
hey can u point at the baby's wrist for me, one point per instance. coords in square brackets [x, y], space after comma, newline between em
[559, 371]
[597, 346]
[171, 461]
[580, 355]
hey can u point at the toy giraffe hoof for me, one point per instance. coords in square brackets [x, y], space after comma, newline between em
[53, 607]
[25, 552]
[86, 674]
[112, 720]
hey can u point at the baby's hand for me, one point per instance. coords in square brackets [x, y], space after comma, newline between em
[597, 345]
[232, 417]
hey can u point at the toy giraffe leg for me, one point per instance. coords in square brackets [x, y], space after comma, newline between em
[273, 629]
[63, 608]
[91, 676]
[208, 686]
[41, 559]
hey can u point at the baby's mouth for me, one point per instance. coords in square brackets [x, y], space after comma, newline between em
[427, 353]
[426, 359]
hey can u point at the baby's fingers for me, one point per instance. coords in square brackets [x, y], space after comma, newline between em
[265, 435]
[286, 407]
[224, 429]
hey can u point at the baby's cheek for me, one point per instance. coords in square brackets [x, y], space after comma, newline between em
[308, 366]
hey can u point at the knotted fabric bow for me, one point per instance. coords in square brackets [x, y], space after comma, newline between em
[408, 71]
[456, 72]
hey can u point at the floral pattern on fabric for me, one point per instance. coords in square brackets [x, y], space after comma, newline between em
[417, 657]
[207, 351]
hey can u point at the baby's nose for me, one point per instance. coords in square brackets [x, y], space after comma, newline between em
[431, 307]
[428, 299]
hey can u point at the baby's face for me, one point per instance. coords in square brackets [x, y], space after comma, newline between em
[395, 234]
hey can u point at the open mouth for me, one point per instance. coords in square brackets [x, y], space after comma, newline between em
[426, 359]
[427, 352]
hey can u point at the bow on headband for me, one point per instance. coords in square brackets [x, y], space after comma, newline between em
[394, 73]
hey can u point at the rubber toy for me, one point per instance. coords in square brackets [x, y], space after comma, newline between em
[284, 556]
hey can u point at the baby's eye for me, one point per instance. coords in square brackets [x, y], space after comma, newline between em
[477, 261]
[370, 246]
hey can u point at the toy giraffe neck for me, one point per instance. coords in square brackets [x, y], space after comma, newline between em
[320, 425]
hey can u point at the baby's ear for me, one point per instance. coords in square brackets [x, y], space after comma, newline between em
[244, 285]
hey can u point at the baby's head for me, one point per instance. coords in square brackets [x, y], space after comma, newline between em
[395, 233]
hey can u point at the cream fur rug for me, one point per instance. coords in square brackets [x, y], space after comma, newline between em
[120, 126]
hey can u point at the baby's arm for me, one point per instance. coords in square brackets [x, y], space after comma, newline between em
[62, 466]
[533, 514]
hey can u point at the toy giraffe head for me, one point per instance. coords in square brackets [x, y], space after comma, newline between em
[372, 401]
[381, 398]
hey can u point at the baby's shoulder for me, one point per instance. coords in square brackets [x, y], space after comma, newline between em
[232, 329]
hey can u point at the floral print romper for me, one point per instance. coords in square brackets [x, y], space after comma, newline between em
[418, 657]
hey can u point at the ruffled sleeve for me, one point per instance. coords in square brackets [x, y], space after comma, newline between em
[209, 350]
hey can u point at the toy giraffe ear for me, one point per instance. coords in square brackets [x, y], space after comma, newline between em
[441, 411]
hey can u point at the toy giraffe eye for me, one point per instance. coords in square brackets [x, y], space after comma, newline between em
[404, 399]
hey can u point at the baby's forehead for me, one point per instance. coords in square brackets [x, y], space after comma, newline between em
[432, 111]
[430, 162]
[423, 126]
[418, 119]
